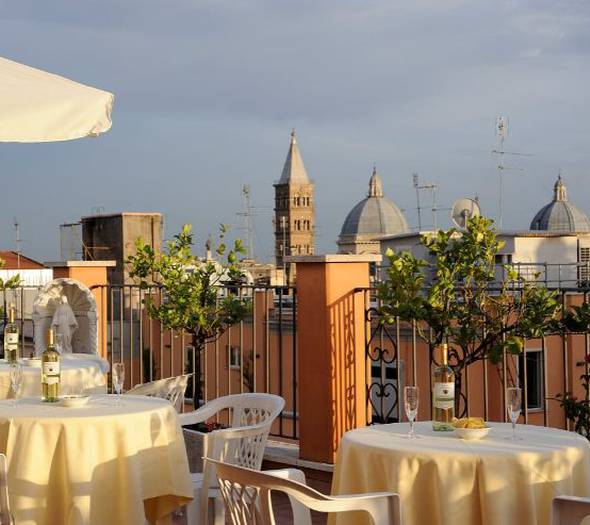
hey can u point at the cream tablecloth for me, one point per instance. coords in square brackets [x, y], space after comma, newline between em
[443, 480]
[79, 372]
[100, 464]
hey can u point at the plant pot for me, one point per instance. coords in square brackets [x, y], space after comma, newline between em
[194, 441]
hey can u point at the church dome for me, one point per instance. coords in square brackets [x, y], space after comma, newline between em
[560, 214]
[376, 215]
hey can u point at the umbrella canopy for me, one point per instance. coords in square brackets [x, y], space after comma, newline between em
[36, 106]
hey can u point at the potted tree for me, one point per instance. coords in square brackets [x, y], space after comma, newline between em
[480, 311]
[199, 297]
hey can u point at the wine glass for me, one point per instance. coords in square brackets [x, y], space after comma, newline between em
[16, 376]
[513, 405]
[118, 379]
[411, 394]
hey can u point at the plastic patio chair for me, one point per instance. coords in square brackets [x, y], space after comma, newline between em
[5, 514]
[247, 497]
[251, 416]
[569, 510]
[171, 388]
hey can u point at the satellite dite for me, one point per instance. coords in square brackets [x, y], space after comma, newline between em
[501, 135]
[464, 209]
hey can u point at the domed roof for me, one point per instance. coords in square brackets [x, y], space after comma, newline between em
[375, 215]
[560, 214]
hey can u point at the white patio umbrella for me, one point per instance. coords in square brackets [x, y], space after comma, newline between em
[36, 106]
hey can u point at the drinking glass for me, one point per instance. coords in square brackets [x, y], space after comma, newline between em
[513, 405]
[16, 376]
[118, 379]
[411, 405]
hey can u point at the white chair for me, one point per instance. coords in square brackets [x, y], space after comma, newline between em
[569, 510]
[5, 514]
[171, 388]
[251, 417]
[247, 497]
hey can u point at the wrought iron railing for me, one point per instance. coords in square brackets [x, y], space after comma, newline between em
[396, 356]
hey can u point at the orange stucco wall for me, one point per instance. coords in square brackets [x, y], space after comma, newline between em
[331, 355]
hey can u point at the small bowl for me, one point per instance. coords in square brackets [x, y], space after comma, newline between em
[472, 433]
[74, 401]
[31, 361]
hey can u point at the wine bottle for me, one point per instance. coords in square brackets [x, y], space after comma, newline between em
[11, 337]
[443, 394]
[50, 372]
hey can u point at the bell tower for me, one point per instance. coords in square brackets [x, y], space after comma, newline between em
[294, 221]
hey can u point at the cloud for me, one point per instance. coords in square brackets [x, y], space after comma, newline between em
[207, 91]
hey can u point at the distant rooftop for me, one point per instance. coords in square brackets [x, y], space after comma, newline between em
[123, 213]
[11, 258]
[503, 233]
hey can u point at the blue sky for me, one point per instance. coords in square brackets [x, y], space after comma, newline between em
[208, 91]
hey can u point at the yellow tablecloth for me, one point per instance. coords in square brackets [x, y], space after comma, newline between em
[78, 373]
[443, 480]
[99, 464]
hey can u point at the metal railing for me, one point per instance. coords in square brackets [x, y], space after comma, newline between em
[396, 356]
[573, 276]
[258, 354]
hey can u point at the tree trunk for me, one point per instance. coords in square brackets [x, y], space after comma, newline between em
[458, 394]
[199, 347]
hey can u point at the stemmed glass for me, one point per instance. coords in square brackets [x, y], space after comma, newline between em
[411, 394]
[118, 379]
[16, 376]
[513, 405]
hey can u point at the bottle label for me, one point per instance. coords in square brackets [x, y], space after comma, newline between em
[51, 380]
[443, 395]
[51, 369]
[11, 341]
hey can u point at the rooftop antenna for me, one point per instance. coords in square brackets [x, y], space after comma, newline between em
[17, 241]
[499, 152]
[425, 187]
[248, 223]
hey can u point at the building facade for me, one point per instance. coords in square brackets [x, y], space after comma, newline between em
[294, 221]
[112, 238]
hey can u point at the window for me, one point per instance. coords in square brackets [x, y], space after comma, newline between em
[234, 356]
[534, 377]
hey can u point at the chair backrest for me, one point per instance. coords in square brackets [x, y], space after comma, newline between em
[570, 510]
[244, 442]
[171, 388]
[244, 409]
[5, 514]
[247, 497]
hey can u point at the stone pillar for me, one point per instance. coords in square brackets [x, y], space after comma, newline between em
[93, 274]
[331, 350]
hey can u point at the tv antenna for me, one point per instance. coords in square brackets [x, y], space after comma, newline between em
[425, 187]
[248, 226]
[17, 241]
[464, 209]
[500, 153]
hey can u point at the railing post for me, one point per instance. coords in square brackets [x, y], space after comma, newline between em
[93, 274]
[331, 347]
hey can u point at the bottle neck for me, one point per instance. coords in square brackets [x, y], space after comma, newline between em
[445, 355]
[50, 338]
[11, 314]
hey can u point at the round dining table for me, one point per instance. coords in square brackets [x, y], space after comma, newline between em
[79, 373]
[444, 480]
[102, 463]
